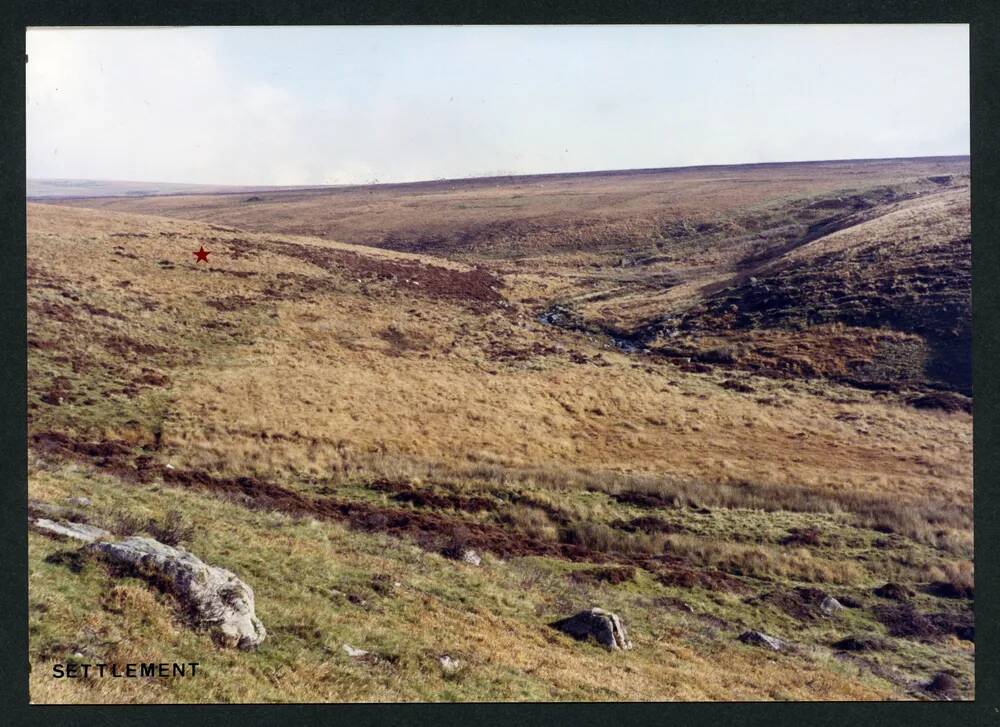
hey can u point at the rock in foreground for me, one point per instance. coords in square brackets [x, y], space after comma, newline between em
[603, 626]
[215, 597]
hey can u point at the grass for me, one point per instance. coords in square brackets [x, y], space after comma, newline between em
[489, 617]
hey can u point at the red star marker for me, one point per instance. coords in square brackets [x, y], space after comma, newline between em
[201, 255]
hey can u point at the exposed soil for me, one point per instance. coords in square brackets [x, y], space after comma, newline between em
[946, 589]
[809, 537]
[861, 643]
[799, 603]
[126, 345]
[907, 622]
[435, 501]
[894, 592]
[230, 303]
[944, 401]
[649, 524]
[614, 575]
[943, 685]
[473, 286]
[149, 377]
[683, 577]
[401, 342]
[644, 499]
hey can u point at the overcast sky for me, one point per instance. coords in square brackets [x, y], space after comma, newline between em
[330, 105]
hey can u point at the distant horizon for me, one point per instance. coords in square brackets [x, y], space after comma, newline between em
[359, 105]
[496, 176]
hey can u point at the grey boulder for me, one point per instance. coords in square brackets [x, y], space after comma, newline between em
[215, 598]
[603, 626]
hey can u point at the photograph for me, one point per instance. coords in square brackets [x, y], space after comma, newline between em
[499, 363]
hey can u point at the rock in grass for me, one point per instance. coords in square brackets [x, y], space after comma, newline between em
[353, 652]
[449, 665]
[830, 606]
[603, 626]
[471, 557]
[215, 597]
[76, 531]
[758, 638]
[78, 501]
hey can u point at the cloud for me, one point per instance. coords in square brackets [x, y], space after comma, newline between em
[161, 104]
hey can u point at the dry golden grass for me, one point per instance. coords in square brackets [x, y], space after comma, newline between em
[453, 399]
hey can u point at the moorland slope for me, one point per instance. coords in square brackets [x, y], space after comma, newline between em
[742, 417]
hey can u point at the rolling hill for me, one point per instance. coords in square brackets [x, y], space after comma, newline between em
[704, 399]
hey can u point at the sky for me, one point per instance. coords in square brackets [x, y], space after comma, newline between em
[343, 105]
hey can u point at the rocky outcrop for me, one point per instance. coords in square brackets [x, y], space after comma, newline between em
[215, 598]
[603, 626]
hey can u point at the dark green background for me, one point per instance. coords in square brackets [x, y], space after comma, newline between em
[985, 76]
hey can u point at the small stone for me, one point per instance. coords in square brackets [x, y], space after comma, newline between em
[79, 501]
[450, 665]
[353, 652]
[761, 639]
[471, 557]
